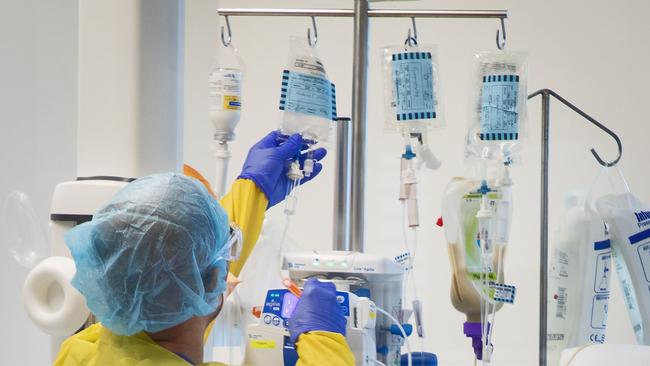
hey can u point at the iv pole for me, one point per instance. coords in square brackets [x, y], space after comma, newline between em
[353, 224]
[543, 256]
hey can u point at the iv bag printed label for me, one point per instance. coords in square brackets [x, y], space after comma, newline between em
[308, 94]
[231, 102]
[642, 239]
[560, 264]
[644, 257]
[404, 260]
[560, 307]
[413, 86]
[603, 273]
[499, 117]
[503, 293]
[225, 90]
[599, 311]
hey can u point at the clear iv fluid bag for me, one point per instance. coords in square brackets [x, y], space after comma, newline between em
[307, 96]
[498, 114]
[411, 88]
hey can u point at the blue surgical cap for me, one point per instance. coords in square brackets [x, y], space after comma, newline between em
[147, 260]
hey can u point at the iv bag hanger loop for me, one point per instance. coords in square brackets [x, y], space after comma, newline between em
[501, 44]
[412, 39]
[312, 43]
[547, 92]
[223, 38]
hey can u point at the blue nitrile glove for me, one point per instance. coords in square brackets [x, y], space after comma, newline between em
[317, 310]
[268, 161]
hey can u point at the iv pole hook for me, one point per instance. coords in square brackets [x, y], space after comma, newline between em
[501, 45]
[546, 93]
[223, 38]
[412, 40]
[312, 43]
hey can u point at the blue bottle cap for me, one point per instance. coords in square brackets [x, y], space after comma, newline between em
[420, 359]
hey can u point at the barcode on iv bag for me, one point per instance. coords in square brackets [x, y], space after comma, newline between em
[561, 308]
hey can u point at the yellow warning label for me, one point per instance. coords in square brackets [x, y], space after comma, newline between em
[373, 315]
[231, 102]
[267, 344]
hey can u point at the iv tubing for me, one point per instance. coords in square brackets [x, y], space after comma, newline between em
[401, 329]
[222, 156]
[291, 197]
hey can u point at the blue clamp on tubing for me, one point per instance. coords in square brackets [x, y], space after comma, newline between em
[408, 153]
[394, 330]
[484, 188]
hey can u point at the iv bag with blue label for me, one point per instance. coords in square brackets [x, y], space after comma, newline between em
[411, 88]
[498, 115]
[307, 96]
[628, 219]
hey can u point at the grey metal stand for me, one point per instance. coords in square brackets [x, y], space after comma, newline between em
[543, 256]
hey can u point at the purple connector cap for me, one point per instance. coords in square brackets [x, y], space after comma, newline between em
[474, 330]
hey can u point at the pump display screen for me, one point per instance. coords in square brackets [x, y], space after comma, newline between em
[289, 302]
[280, 305]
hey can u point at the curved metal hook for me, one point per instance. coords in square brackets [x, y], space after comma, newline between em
[223, 38]
[545, 93]
[412, 40]
[312, 43]
[501, 45]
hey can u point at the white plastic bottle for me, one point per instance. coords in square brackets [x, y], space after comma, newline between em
[629, 222]
[579, 276]
[225, 101]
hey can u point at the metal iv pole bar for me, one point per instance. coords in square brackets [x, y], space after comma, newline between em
[376, 13]
[359, 123]
[543, 257]
[342, 185]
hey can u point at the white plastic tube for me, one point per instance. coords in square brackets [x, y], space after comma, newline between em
[222, 158]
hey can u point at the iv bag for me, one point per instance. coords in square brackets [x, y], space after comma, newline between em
[307, 96]
[225, 92]
[629, 222]
[580, 269]
[498, 113]
[460, 206]
[411, 88]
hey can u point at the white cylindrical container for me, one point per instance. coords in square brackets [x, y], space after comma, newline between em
[225, 91]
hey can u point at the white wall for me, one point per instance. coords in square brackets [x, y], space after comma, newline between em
[592, 52]
[38, 72]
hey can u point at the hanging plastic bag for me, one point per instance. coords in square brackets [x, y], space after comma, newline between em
[477, 288]
[225, 92]
[628, 219]
[498, 113]
[307, 96]
[579, 278]
[411, 88]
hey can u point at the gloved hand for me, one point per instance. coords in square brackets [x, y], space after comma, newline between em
[317, 310]
[268, 161]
